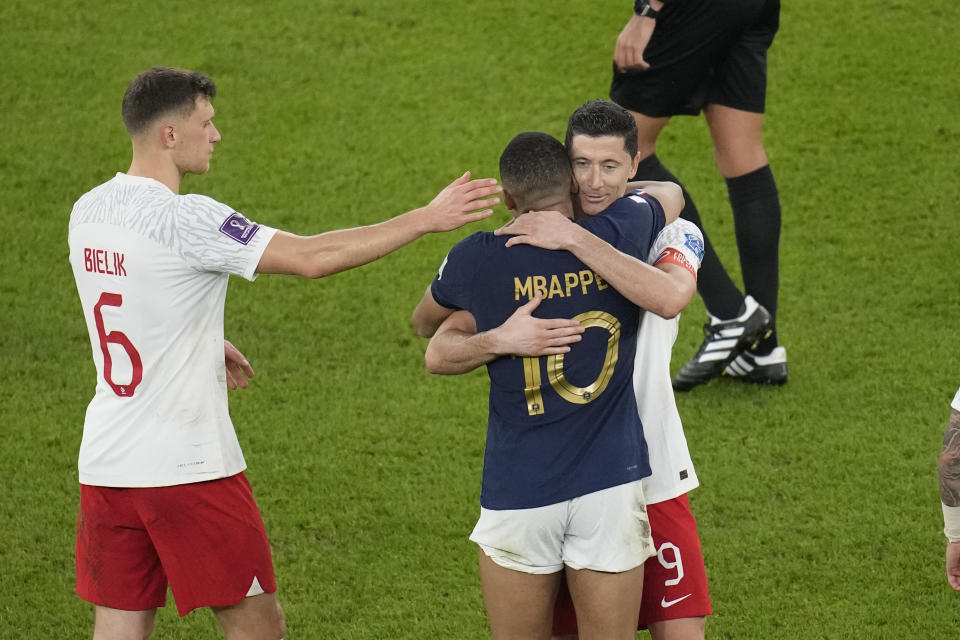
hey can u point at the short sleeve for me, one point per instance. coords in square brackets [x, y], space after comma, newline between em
[452, 287]
[956, 401]
[212, 236]
[681, 243]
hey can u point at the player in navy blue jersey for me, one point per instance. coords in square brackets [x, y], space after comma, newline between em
[564, 453]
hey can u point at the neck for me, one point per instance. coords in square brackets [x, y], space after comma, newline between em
[156, 167]
[563, 204]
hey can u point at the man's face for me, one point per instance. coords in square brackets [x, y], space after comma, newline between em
[602, 168]
[196, 136]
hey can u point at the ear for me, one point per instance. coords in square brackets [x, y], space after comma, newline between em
[636, 163]
[167, 133]
[509, 202]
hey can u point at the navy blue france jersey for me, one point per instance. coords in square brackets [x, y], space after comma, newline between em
[559, 426]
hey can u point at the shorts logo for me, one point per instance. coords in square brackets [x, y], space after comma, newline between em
[695, 244]
[669, 603]
[239, 228]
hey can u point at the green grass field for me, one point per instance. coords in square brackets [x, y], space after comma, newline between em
[818, 506]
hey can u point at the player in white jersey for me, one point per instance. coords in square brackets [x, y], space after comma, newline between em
[949, 472]
[163, 497]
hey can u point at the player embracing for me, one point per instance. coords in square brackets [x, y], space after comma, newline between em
[675, 597]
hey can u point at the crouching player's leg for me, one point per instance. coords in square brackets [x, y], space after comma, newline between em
[675, 596]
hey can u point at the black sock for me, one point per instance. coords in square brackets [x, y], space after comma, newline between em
[720, 296]
[756, 219]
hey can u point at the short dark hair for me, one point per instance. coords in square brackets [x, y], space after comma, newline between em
[534, 164]
[603, 118]
[162, 90]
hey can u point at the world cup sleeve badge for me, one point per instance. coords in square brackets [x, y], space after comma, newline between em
[239, 228]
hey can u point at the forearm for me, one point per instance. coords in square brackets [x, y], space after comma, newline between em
[455, 351]
[336, 251]
[641, 284]
[949, 467]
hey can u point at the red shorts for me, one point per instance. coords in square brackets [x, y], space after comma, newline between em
[673, 587]
[207, 539]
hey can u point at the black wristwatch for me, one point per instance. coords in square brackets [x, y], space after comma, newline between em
[643, 9]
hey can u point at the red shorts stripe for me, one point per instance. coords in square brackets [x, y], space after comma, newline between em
[674, 583]
[206, 538]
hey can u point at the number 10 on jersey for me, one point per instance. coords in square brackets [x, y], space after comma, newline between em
[567, 391]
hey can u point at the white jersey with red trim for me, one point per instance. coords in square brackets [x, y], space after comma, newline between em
[681, 243]
[956, 401]
[151, 269]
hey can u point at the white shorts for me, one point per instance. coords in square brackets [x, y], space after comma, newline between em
[605, 530]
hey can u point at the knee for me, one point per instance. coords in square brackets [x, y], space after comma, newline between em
[738, 160]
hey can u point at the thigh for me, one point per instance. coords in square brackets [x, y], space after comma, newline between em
[648, 130]
[675, 581]
[519, 605]
[737, 140]
[679, 629]
[211, 540]
[111, 624]
[607, 604]
[117, 565]
[608, 530]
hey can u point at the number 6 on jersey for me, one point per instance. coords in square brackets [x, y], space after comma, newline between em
[120, 338]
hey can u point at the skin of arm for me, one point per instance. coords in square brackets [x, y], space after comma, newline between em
[461, 202]
[949, 473]
[429, 315]
[456, 347]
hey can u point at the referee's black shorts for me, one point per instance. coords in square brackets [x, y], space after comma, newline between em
[702, 52]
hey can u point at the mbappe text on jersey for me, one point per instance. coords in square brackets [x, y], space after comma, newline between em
[551, 286]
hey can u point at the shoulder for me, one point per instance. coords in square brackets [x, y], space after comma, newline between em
[475, 242]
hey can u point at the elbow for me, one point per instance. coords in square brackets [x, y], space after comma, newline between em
[434, 363]
[673, 304]
[421, 328]
[677, 201]
[315, 270]
[667, 310]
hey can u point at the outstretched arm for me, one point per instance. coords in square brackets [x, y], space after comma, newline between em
[458, 348]
[949, 473]
[461, 202]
